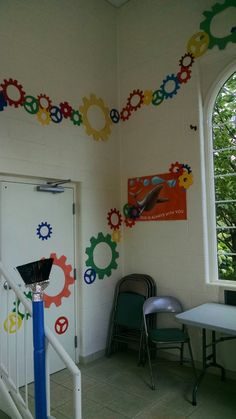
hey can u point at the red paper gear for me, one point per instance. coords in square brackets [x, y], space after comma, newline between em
[138, 93]
[48, 100]
[176, 168]
[66, 109]
[109, 218]
[125, 113]
[13, 102]
[184, 75]
[69, 280]
[129, 222]
[61, 325]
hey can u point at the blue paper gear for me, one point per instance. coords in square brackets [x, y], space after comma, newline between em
[39, 231]
[3, 102]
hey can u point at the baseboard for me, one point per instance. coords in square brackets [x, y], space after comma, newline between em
[91, 357]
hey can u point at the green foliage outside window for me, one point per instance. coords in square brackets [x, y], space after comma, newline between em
[224, 155]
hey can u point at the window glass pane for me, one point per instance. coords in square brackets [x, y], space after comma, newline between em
[224, 160]
[226, 243]
[225, 214]
[225, 188]
[226, 269]
[224, 135]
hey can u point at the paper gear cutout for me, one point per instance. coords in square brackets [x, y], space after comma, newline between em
[61, 325]
[12, 323]
[41, 227]
[101, 238]
[69, 280]
[90, 276]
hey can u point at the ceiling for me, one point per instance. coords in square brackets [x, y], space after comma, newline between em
[117, 3]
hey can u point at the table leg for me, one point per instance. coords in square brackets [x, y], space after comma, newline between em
[207, 361]
[214, 363]
[204, 367]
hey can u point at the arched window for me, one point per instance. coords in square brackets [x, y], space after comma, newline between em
[222, 176]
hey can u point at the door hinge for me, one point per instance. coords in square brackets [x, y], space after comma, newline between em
[73, 208]
[75, 274]
[76, 342]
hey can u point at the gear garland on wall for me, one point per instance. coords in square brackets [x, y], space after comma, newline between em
[95, 241]
[42, 106]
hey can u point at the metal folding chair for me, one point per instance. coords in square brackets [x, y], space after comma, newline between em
[126, 323]
[167, 337]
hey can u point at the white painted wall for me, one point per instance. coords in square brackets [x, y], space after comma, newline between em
[152, 37]
[67, 50]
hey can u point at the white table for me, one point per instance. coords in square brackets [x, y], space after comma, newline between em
[216, 318]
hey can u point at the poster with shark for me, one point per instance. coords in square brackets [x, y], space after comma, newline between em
[158, 197]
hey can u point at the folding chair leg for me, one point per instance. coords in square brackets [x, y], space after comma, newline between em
[140, 353]
[182, 354]
[150, 367]
[108, 350]
[109, 342]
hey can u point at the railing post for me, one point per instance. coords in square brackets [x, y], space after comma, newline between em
[39, 360]
[77, 400]
[47, 377]
[35, 275]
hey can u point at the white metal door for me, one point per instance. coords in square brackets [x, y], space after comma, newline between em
[37, 225]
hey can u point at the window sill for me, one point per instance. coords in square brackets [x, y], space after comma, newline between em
[222, 283]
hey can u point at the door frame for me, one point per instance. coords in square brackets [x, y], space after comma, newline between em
[75, 187]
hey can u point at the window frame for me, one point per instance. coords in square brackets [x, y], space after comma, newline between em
[209, 212]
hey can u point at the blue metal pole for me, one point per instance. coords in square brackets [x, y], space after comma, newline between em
[39, 360]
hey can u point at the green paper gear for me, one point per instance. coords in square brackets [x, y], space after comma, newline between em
[206, 24]
[90, 252]
[17, 304]
[75, 117]
[31, 104]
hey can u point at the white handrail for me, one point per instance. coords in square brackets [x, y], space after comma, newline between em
[69, 363]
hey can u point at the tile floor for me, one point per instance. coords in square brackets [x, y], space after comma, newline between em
[116, 388]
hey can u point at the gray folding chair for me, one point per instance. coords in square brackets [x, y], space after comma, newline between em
[167, 337]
